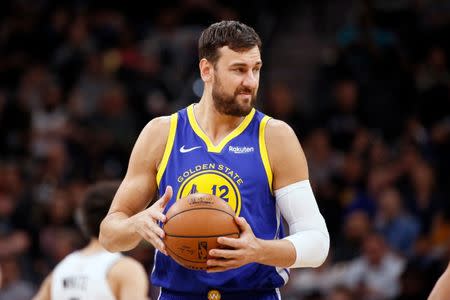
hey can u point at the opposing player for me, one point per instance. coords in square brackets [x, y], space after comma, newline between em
[223, 146]
[93, 272]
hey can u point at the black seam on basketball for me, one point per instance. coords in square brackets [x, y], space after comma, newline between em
[201, 236]
[200, 208]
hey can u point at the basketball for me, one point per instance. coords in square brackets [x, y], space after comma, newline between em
[193, 225]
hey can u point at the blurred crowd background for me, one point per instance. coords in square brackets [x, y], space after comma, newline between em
[365, 85]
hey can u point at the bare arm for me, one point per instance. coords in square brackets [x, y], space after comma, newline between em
[308, 233]
[127, 222]
[441, 290]
[288, 165]
[44, 292]
[130, 280]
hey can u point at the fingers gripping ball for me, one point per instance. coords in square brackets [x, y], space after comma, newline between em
[193, 225]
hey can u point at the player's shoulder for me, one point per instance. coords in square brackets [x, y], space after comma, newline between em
[126, 266]
[156, 131]
[126, 263]
[158, 124]
[129, 275]
[278, 131]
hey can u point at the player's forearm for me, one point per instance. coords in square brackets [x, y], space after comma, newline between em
[117, 233]
[279, 253]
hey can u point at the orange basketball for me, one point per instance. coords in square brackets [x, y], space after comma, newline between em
[193, 225]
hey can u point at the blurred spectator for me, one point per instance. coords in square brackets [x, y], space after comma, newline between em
[363, 142]
[341, 293]
[348, 244]
[343, 121]
[113, 129]
[13, 286]
[349, 181]
[283, 105]
[376, 274]
[15, 125]
[92, 83]
[434, 71]
[324, 279]
[56, 243]
[399, 229]
[379, 155]
[440, 230]
[173, 47]
[323, 161]
[52, 170]
[70, 57]
[14, 226]
[48, 120]
[423, 199]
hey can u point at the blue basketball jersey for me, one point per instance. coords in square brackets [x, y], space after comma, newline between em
[236, 170]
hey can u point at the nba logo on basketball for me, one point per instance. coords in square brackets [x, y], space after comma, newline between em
[202, 250]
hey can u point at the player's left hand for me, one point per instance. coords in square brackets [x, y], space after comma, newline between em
[245, 249]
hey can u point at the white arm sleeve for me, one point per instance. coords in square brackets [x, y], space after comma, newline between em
[307, 228]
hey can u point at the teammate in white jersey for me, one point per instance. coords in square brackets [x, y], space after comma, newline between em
[93, 272]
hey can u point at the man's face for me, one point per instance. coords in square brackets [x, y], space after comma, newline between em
[236, 81]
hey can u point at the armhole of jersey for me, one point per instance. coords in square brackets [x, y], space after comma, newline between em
[263, 151]
[168, 148]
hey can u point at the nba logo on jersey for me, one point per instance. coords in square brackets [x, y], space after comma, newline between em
[214, 295]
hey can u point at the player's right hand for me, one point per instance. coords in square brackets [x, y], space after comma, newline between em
[146, 222]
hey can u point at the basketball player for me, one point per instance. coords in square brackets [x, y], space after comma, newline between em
[223, 146]
[93, 272]
[441, 290]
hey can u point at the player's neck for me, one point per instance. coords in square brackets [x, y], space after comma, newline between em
[93, 247]
[215, 124]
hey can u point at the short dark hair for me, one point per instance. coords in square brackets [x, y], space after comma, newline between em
[236, 35]
[95, 206]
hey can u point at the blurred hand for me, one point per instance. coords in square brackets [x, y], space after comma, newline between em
[146, 222]
[245, 250]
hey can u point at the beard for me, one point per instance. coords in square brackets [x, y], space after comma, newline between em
[228, 104]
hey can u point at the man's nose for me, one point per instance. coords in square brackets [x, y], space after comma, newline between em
[250, 80]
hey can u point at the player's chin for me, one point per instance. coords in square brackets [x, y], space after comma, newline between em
[245, 99]
[245, 103]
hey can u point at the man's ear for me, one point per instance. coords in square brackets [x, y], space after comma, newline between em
[206, 70]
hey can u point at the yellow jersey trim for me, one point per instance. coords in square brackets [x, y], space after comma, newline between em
[168, 148]
[229, 137]
[263, 150]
